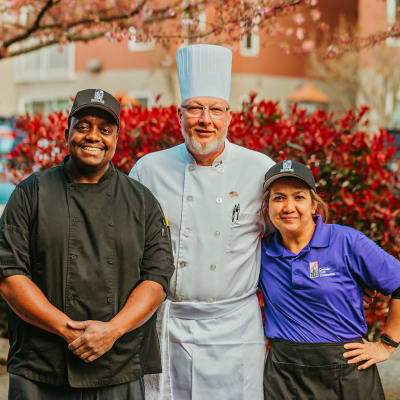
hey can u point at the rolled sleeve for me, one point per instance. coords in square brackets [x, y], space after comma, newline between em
[14, 236]
[157, 263]
[376, 268]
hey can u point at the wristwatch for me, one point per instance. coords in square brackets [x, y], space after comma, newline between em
[388, 340]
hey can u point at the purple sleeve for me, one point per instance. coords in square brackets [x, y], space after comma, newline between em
[373, 266]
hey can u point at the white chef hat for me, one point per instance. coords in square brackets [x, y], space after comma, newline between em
[204, 70]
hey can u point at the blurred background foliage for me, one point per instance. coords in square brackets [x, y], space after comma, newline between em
[357, 171]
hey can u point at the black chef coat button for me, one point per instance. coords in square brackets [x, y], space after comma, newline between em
[110, 261]
[109, 299]
[111, 224]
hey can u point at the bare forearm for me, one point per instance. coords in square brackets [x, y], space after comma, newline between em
[140, 306]
[31, 305]
[370, 353]
[393, 322]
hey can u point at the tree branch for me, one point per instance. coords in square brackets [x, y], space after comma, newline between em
[86, 21]
[60, 32]
[35, 25]
[72, 38]
[109, 18]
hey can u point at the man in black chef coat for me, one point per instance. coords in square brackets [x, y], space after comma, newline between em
[85, 260]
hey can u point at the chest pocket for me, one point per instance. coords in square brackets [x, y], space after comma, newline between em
[242, 232]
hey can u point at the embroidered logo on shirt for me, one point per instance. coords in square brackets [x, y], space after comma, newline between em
[287, 166]
[98, 96]
[314, 270]
[326, 272]
[233, 194]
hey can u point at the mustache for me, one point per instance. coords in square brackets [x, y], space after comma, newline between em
[91, 144]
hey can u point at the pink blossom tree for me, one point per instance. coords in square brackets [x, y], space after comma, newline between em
[28, 25]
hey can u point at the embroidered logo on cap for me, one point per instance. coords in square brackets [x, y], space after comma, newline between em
[287, 166]
[98, 96]
[314, 270]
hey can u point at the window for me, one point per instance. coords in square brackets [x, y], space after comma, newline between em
[136, 45]
[393, 17]
[49, 63]
[393, 109]
[144, 97]
[7, 137]
[396, 135]
[45, 105]
[202, 25]
[250, 44]
[202, 21]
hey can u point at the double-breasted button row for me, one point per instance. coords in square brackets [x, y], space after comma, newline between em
[218, 200]
[183, 264]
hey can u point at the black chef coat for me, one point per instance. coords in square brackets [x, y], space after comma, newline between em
[86, 246]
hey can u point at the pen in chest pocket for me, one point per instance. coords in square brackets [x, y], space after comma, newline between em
[165, 225]
[235, 212]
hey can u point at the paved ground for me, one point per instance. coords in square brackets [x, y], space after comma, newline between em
[389, 371]
[390, 375]
[3, 386]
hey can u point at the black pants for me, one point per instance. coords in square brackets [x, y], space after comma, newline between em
[24, 389]
[317, 371]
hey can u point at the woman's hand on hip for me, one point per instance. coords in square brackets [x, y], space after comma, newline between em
[370, 352]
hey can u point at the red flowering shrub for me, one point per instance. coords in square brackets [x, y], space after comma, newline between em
[141, 131]
[357, 173]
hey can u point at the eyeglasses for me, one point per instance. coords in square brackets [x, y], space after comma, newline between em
[215, 112]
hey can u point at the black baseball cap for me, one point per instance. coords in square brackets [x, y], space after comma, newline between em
[292, 169]
[96, 98]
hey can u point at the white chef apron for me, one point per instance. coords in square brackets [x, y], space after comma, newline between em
[210, 351]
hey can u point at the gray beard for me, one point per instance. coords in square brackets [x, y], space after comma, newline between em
[203, 149]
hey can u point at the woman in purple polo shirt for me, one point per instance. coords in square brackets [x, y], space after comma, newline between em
[312, 276]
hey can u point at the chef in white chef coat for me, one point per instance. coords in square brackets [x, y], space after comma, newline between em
[210, 190]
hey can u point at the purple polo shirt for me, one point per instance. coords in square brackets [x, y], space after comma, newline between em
[316, 295]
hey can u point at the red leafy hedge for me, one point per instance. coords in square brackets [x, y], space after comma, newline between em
[357, 172]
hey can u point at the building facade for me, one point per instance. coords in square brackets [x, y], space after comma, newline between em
[45, 80]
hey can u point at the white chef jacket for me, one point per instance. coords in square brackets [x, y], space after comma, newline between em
[215, 224]
[216, 251]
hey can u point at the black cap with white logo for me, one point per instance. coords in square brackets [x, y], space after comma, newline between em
[96, 98]
[289, 168]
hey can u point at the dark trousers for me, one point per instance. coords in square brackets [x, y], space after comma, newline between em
[317, 371]
[24, 389]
